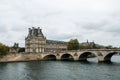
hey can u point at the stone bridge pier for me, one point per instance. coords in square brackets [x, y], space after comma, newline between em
[108, 55]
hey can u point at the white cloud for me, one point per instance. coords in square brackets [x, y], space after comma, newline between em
[61, 19]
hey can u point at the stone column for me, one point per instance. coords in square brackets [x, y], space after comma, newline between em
[58, 57]
[38, 30]
[100, 59]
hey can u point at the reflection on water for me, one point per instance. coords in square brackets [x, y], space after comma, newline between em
[114, 59]
[61, 70]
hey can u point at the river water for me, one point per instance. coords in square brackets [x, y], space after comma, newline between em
[61, 70]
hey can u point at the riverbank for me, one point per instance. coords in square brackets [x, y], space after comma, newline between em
[20, 58]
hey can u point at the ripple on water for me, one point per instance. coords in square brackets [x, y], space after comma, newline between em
[61, 70]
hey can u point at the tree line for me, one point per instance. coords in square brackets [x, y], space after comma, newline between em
[74, 44]
[3, 49]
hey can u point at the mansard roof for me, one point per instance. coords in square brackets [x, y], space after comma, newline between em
[35, 31]
[55, 42]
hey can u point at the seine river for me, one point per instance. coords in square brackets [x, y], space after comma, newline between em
[61, 70]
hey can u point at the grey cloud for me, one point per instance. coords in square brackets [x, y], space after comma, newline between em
[64, 36]
[115, 30]
[61, 19]
[52, 14]
[18, 28]
[3, 29]
[93, 26]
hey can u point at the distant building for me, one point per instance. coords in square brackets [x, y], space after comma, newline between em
[91, 45]
[14, 48]
[36, 42]
[88, 44]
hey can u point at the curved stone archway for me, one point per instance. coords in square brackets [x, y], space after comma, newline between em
[49, 57]
[85, 55]
[67, 57]
[108, 57]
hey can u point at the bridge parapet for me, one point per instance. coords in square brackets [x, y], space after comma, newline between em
[99, 49]
[82, 50]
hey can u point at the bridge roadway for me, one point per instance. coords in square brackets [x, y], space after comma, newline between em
[103, 55]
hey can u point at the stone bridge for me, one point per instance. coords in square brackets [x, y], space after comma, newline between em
[103, 55]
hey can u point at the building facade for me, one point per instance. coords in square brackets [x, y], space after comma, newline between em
[36, 42]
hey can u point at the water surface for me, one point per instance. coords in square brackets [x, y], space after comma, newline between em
[61, 70]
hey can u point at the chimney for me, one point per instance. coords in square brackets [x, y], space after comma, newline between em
[38, 30]
[29, 29]
[33, 31]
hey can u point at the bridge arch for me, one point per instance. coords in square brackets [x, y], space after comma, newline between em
[67, 56]
[50, 57]
[83, 56]
[107, 58]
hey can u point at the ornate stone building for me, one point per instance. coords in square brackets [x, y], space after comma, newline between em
[36, 42]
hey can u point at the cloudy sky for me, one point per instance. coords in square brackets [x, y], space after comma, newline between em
[97, 20]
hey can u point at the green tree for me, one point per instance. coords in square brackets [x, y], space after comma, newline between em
[3, 49]
[73, 44]
[109, 47]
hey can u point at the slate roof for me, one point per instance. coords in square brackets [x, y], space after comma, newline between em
[55, 42]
